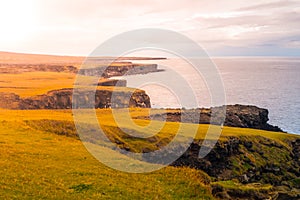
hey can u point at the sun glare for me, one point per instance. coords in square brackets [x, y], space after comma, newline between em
[17, 20]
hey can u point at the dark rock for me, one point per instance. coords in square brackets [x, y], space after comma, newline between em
[243, 116]
[288, 196]
[112, 82]
[223, 195]
[296, 150]
[62, 99]
[248, 144]
[216, 162]
[119, 69]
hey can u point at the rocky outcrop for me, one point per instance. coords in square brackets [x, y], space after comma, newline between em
[250, 160]
[244, 116]
[112, 82]
[224, 154]
[296, 151]
[216, 162]
[114, 69]
[62, 99]
[119, 69]
[248, 117]
[9, 100]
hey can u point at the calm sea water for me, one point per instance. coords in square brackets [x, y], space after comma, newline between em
[272, 83]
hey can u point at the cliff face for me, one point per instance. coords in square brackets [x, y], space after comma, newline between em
[243, 116]
[119, 70]
[62, 99]
[112, 82]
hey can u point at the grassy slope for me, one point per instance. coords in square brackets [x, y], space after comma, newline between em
[37, 164]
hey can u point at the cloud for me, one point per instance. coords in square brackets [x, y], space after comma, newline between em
[78, 27]
[271, 5]
[247, 27]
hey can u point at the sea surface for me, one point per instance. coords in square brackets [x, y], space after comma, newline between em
[268, 82]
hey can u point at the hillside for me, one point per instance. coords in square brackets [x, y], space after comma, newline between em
[245, 163]
[41, 165]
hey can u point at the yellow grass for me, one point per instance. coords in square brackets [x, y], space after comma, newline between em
[106, 118]
[37, 164]
[38, 83]
[35, 83]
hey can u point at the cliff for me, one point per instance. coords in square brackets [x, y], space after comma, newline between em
[112, 82]
[244, 116]
[62, 99]
[119, 69]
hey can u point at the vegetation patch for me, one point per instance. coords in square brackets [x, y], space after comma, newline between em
[82, 187]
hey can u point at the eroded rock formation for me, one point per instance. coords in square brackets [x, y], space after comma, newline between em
[62, 99]
[244, 116]
[119, 69]
[250, 160]
[112, 82]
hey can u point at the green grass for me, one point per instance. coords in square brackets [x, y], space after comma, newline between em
[234, 185]
[243, 191]
[61, 123]
[36, 164]
[38, 161]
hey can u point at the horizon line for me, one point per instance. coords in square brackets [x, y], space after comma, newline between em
[211, 56]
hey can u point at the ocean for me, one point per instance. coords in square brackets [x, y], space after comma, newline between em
[268, 82]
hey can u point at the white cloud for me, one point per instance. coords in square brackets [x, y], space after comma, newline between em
[78, 26]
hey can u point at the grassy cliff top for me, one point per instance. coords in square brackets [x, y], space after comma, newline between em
[38, 83]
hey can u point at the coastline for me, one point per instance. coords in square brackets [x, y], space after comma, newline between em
[251, 160]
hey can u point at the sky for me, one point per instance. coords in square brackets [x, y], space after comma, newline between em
[222, 28]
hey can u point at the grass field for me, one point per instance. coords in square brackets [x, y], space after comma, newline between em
[37, 164]
[40, 162]
[37, 83]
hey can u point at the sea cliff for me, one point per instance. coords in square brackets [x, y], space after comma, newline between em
[62, 99]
